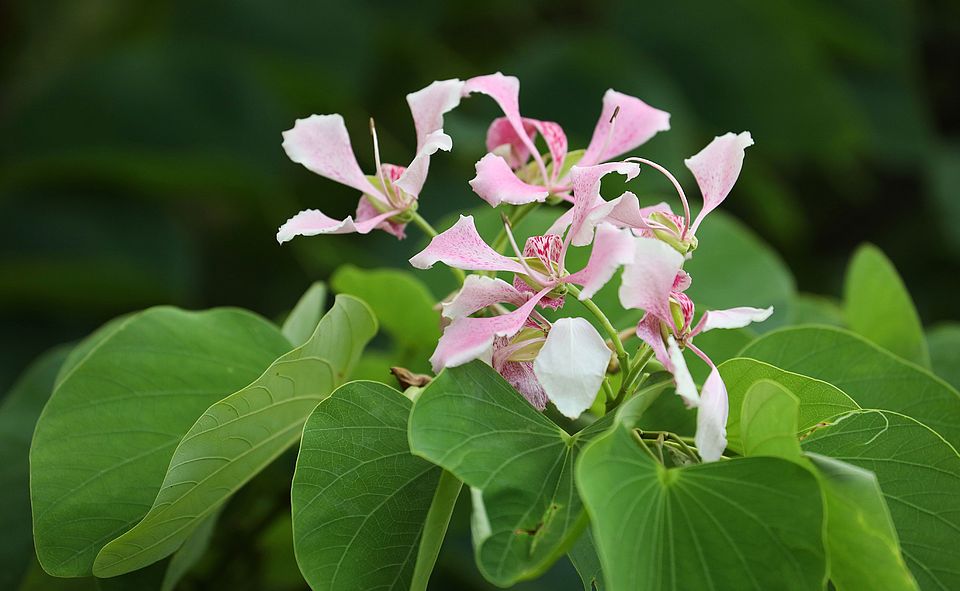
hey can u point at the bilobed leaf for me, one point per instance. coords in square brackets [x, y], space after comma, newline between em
[919, 475]
[818, 400]
[360, 500]
[877, 305]
[871, 376]
[474, 424]
[105, 438]
[746, 523]
[768, 422]
[303, 319]
[863, 545]
[944, 342]
[18, 416]
[239, 436]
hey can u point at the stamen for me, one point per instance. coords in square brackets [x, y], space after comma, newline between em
[676, 185]
[376, 157]
[613, 125]
[523, 262]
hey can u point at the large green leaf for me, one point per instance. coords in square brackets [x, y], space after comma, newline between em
[877, 305]
[360, 500]
[919, 474]
[747, 523]
[864, 549]
[944, 342]
[302, 320]
[769, 421]
[238, 436]
[585, 559]
[18, 416]
[873, 377]
[818, 400]
[105, 438]
[474, 424]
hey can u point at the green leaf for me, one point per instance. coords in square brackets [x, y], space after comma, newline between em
[919, 474]
[873, 377]
[768, 422]
[303, 319]
[526, 510]
[586, 561]
[105, 438]
[239, 436]
[819, 400]
[747, 523]
[18, 416]
[863, 545]
[435, 529]
[877, 305]
[190, 552]
[944, 342]
[726, 268]
[360, 500]
[402, 304]
[816, 309]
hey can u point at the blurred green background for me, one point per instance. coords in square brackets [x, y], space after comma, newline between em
[140, 158]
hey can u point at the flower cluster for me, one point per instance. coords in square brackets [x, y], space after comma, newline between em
[565, 361]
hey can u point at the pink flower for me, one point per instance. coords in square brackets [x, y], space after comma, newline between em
[322, 145]
[655, 282]
[504, 176]
[569, 356]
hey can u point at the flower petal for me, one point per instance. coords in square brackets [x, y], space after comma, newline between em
[732, 318]
[415, 175]
[366, 211]
[462, 247]
[586, 192]
[505, 91]
[478, 292]
[611, 248]
[311, 222]
[636, 122]
[648, 330]
[686, 387]
[321, 144]
[496, 183]
[556, 141]
[572, 364]
[468, 338]
[648, 280]
[520, 375]
[501, 133]
[716, 169]
[428, 106]
[711, 436]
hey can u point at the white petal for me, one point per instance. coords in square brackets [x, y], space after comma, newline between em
[711, 437]
[572, 364]
[732, 318]
[686, 388]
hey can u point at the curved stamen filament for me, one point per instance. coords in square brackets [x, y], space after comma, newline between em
[676, 185]
[376, 157]
[613, 124]
[538, 277]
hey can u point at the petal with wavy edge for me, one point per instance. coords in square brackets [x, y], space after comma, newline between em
[505, 91]
[428, 106]
[478, 292]
[716, 169]
[586, 192]
[636, 122]
[501, 133]
[556, 141]
[648, 280]
[572, 364]
[462, 247]
[496, 183]
[311, 222]
[711, 436]
[415, 175]
[468, 338]
[322, 145]
[612, 248]
[731, 318]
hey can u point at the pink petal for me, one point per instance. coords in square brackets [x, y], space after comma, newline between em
[586, 192]
[519, 374]
[648, 280]
[366, 211]
[468, 338]
[636, 122]
[478, 292]
[611, 248]
[462, 247]
[556, 141]
[311, 222]
[321, 144]
[716, 169]
[428, 106]
[732, 318]
[501, 133]
[711, 436]
[572, 364]
[415, 175]
[496, 183]
[505, 91]
[648, 329]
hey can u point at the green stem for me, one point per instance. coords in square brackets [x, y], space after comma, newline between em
[643, 355]
[429, 230]
[435, 529]
[622, 357]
